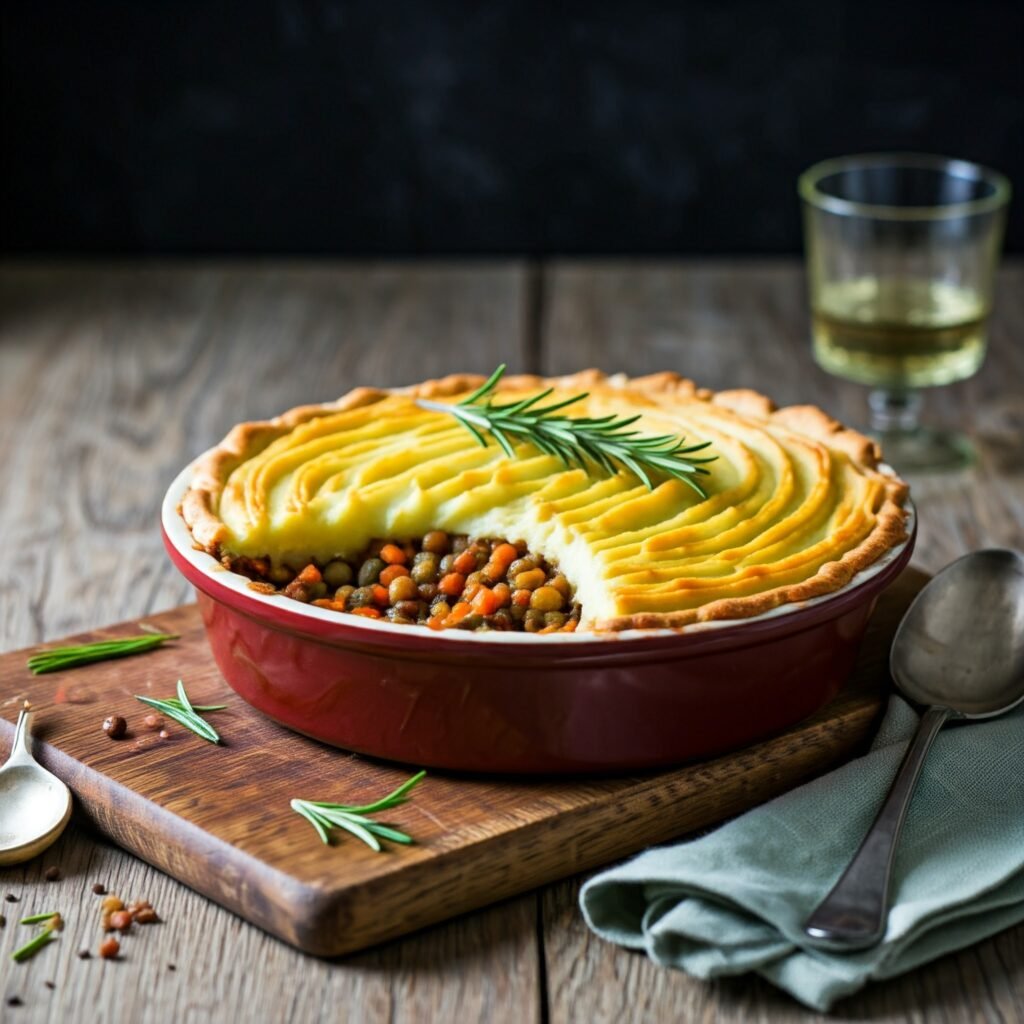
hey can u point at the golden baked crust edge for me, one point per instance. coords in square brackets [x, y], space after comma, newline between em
[199, 504]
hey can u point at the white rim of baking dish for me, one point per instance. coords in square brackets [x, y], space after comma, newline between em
[180, 537]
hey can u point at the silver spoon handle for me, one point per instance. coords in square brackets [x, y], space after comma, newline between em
[21, 752]
[853, 915]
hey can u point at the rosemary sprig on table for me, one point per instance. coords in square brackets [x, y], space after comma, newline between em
[354, 819]
[43, 938]
[577, 440]
[58, 658]
[181, 710]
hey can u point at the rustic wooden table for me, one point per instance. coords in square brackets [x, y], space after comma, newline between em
[112, 377]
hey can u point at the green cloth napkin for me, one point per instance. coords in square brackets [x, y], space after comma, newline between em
[734, 900]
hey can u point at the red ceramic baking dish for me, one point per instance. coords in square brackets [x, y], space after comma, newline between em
[518, 702]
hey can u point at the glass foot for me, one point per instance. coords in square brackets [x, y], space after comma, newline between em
[906, 445]
[925, 451]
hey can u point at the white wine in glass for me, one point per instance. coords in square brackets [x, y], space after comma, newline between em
[901, 257]
[899, 332]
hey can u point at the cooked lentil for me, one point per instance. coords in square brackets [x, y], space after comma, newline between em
[121, 920]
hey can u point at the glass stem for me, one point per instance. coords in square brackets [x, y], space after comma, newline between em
[895, 412]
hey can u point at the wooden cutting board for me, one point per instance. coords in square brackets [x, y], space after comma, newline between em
[218, 818]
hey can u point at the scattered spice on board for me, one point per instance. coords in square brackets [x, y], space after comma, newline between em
[115, 727]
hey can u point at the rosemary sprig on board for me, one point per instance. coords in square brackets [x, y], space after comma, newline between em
[181, 710]
[58, 658]
[577, 440]
[355, 819]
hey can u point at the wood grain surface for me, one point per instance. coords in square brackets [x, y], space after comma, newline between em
[111, 377]
[218, 817]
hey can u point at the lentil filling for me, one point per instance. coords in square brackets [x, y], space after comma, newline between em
[442, 581]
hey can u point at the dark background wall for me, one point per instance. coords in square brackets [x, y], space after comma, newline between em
[196, 126]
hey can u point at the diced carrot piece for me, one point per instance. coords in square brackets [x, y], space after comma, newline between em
[323, 602]
[380, 595]
[392, 554]
[522, 598]
[570, 626]
[471, 590]
[485, 601]
[391, 573]
[311, 574]
[451, 585]
[435, 622]
[367, 612]
[503, 592]
[501, 558]
[466, 562]
[459, 612]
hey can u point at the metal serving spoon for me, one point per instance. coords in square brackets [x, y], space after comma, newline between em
[34, 804]
[959, 651]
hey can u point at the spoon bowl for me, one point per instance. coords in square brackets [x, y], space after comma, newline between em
[959, 651]
[34, 804]
[961, 643]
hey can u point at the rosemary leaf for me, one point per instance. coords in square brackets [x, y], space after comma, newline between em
[36, 918]
[582, 441]
[360, 833]
[301, 807]
[385, 803]
[33, 945]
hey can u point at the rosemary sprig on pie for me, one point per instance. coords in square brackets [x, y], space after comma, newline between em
[581, 441]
